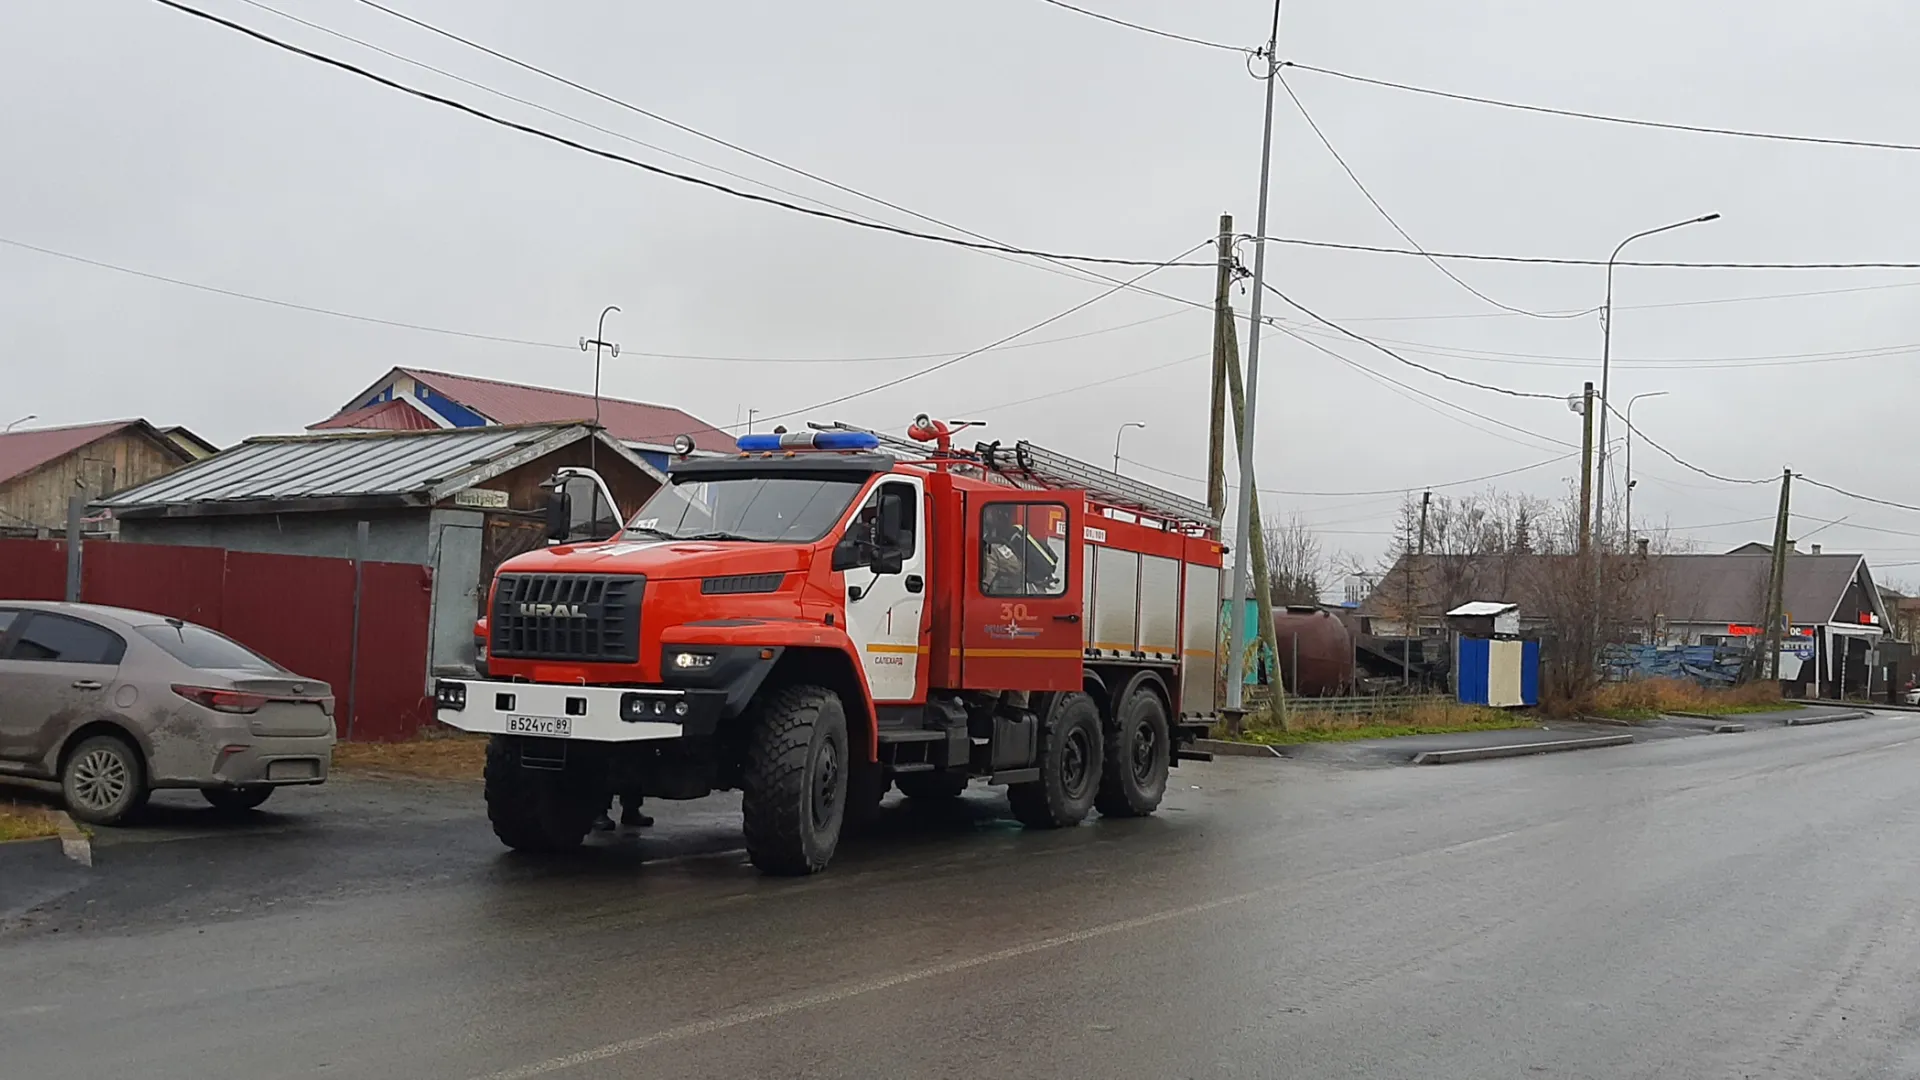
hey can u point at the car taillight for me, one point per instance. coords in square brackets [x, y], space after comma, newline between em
[230, 701]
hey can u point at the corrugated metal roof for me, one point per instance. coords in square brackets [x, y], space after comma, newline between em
[23, 451]
[386, 416]
[628, 421]
[339, 465]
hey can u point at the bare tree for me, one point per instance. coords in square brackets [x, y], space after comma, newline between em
[1297, 566]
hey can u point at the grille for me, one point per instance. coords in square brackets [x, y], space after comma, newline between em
[592, 617]
[741, 583]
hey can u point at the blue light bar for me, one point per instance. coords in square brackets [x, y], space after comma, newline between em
[809, 440]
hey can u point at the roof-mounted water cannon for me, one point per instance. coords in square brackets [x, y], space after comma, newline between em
[939, 432]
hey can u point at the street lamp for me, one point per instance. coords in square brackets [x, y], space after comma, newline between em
[1629, 469]
[22, 420]
[1122, 430]
[1606, 369]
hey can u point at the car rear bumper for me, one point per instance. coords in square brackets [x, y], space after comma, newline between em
[247, 760]
[580, 713]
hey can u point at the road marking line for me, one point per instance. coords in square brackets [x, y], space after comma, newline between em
[768, 1012]
[73, 843]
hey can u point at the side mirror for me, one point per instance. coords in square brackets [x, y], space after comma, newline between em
[559, 514]
[848, 554]
[888, 560]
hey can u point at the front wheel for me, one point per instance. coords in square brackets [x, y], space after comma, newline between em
[1071, 753]
[534, 810]
[794, 790]
[236, 800]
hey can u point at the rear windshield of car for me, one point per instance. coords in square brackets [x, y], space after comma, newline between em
[199, 647]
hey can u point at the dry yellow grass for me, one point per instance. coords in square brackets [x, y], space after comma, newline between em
[434, 757]
[1423, 718]
[1646, 698]
[26, 821]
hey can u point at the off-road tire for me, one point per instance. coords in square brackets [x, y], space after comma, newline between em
[533, 810]
[1138, 751]
[1071, 750]
[932, 787]
[104, 780]
[794, 790]
[236, 800]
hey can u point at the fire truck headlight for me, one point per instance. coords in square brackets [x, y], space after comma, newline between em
[691, 661]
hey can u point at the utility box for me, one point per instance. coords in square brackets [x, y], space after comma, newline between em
[1491, 665]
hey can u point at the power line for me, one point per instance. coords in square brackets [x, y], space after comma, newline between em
[1545, 260]
[1418, 395]
[1369, 342]
[1069, 270]
[1671, 363]
[1642, 307]
[1677, 459]
[1358, 494]
[562, 140]
[1854, 495]
[1390, 220]
[1150, 30]
[1699, 129]
[885, 359]
[1175, 261]
[277, 303]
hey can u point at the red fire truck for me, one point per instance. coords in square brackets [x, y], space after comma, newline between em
[834, 612]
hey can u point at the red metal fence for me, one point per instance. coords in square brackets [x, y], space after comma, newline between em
[295, 609]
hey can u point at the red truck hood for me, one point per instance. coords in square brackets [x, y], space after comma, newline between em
[664, 559]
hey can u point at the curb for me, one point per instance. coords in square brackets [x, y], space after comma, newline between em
[1223, 748]
[1484, 753]
[73, 843]
[1728, 729]
[1834, 718]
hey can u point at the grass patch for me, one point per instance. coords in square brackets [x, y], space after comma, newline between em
[1426, 718]
[435, 756]
[26, 821]
[1645, 699]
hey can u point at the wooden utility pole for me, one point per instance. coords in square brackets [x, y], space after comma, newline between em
[1256, 534]
[1217, 414]
[1586, 472]
[1426, 500]
[1770, 640]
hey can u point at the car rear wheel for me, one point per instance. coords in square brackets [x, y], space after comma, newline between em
[103, 780]
[236, 800]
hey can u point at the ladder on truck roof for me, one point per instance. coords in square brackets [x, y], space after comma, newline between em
[1041, 467]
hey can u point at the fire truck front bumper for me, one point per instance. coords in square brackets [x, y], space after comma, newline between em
[583, 713]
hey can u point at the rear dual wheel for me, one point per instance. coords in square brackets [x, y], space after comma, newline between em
[1072, 753]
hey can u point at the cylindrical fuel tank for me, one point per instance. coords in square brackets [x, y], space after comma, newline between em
[1324, 667]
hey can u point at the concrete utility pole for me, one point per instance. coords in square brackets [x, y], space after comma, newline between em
[1217, 409]
[1777, 584]
[598, 341]
[1257, 540]
[1586, 471]
[1426, 500]
[1244, 530]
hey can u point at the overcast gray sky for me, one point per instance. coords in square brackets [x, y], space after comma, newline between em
[144, 137]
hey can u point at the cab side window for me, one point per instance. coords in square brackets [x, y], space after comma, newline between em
[1021, 549]
[900, 505]
[60, 639]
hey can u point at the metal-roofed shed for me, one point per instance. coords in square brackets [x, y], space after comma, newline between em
[459, 501]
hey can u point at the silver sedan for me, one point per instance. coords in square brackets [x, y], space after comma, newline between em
[112, 704]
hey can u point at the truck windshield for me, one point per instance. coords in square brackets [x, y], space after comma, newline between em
[779, 509]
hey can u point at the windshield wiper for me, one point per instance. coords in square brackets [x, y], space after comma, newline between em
[720, 536]
[661, 533]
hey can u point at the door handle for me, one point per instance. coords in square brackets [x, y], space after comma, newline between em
[1066, 618]
[85, 684]
[915, 583]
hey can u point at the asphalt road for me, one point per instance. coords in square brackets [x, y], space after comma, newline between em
[1721, 906]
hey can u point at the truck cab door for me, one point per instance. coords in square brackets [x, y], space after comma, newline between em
[887, 591]
[1021, 608]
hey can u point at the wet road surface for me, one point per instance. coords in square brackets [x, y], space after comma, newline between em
[1727, 906]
